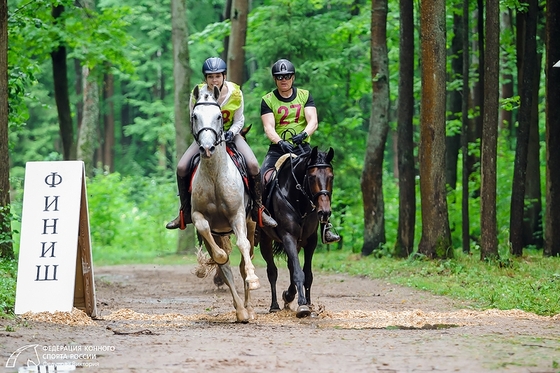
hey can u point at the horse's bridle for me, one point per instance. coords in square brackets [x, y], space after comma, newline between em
[315, 197]
[219, 139]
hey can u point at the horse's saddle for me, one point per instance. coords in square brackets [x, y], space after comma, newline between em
[273, 178]
[237, 158]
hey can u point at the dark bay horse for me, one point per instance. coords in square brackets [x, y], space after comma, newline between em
[220, 201]
[299, 198]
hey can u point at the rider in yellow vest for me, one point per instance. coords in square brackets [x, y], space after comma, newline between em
[289, 117]
[231, 103]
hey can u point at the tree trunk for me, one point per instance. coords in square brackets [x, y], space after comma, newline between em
[436, 235]
[109, 119]
[453, 139]
[372, 175]
[236, 50]
[61, 94]
[87, 138]
[506, 116]
[405, 145]
[528, 60]
[489, 144]
[6, 247]
[78, 87]
[552, 214]
[466, 238]
[181, 89]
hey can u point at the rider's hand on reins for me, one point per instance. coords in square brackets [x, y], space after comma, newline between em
[286, 146]
[298, 139]
[228, 136]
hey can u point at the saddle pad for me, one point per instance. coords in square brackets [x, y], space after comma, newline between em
[282, 159]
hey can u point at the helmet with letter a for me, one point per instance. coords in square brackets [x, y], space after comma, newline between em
[283, 67]
[214, 65]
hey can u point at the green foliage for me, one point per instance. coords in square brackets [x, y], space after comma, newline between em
[529, 283]
[8, 276]
[128, 216]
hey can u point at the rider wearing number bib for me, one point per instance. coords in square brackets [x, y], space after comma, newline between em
[231, 103]
[289, 118]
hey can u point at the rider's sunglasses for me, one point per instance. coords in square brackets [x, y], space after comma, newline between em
[283, 77]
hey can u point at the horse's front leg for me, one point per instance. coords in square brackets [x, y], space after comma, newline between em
[297, 276]
[239, 227]
[308, 252]
[203, 228]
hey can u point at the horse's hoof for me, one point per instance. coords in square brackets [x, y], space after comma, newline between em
[303, 311]
[287, 299]
[242, 316]
[220, 257]
[254, 284]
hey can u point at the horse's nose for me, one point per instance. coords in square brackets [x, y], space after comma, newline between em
[206, 151]
[324, 209]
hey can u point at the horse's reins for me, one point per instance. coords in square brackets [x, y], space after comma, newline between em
[302, 189]
[219, 139]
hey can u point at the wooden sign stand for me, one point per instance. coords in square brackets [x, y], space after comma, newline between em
[55, 266]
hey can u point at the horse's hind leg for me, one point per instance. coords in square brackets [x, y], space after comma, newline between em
[240, 311]
[248, 303]
[271, 269]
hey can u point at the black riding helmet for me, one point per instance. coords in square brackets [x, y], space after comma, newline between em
[214, 65]
[283, 66]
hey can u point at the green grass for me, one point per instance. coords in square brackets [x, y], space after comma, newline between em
[529, 283]
[8, 276]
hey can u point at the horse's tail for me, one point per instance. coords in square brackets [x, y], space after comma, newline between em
[278, 249]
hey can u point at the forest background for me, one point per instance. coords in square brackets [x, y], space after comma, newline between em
[124, 114]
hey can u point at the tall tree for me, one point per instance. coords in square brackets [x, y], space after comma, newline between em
[61, 93]
[372, 174]
[108, 122]
[436, 235]
[181, 89]
[528, 51]
[88, 133]
[465, 221]
[405, 144]
[489, 144]
[238, 35]
[552, 214]
[453, 139]
[6, 247]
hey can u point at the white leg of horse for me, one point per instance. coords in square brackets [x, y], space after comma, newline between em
[240, 229]
[240, 311]
[248, 302]
[202, 226]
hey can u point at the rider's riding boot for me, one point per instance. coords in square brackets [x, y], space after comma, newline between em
[259, 213]
[184, 216]
[329, 236]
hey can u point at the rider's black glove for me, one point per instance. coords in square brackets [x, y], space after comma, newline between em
[298, 139]
[286, 146]
[228, 136]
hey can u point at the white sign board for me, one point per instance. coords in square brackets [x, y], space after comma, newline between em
[55, 270]
[557, 64]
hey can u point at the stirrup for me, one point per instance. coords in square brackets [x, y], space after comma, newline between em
[327, 236]
[270, 222]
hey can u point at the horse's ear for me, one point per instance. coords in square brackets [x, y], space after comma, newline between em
[314, 152]
[195, 93]
[330, 155]
[216, 93]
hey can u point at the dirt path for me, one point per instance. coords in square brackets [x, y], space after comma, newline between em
[165, 319]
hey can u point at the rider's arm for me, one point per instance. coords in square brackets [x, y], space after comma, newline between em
[238, 117]
[312, 121]
[270, 127]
